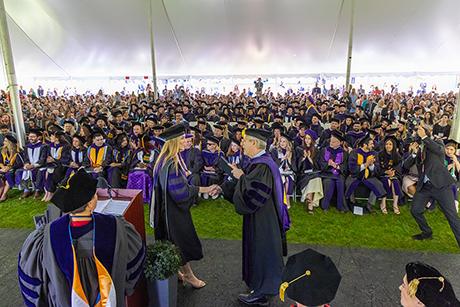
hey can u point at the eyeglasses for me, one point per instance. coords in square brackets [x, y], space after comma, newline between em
[210, 144]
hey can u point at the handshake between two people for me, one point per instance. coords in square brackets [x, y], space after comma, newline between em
[215, 190]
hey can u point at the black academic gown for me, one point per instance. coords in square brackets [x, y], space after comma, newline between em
[253, 197]
[172, 199]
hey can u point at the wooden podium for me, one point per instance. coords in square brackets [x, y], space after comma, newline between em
[134, 214]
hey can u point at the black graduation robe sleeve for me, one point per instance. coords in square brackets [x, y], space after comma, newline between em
[253, 190]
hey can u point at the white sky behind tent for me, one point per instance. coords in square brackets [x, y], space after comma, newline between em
[110, 38]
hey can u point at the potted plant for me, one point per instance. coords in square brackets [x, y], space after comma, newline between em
[161, 266]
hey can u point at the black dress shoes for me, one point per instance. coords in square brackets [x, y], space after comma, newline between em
[423, 236]
[252, 299]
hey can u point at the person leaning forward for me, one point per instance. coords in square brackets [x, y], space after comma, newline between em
[83, 258]
[434, 183]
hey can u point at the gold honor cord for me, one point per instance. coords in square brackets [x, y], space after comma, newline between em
[285, 285]
[414, 283]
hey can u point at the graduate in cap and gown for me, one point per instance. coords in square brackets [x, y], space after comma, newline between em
[258, 195]
[99, 155]
[333, 163]
[193, 162]
[11, 160]
[424, 285]
[390, 168]
[78, 157]
[364, 169]
[211, 173]
[32, 173]
[326, 135]
[285, 157]
[308, 180]
[117, 173]
[83, 258]
[451, 161]
[57, 162]
[141, 166]
[171, 201]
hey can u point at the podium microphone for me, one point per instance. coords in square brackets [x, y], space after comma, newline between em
[103, 184]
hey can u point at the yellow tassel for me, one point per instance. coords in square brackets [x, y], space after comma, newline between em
[243, 133]
[413, 287]
[283, 288]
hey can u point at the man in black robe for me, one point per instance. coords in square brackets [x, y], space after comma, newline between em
[258, 196]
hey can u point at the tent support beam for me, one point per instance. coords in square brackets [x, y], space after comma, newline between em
[5, 44]
[350, 46]
[455, 130]
[152, 52]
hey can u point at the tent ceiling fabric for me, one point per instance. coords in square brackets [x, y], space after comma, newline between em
[85, 38]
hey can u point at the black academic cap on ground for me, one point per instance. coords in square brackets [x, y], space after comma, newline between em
[173, 132]
[430, 286]
[79, 189]
[260, 134]
[338, 135]
[310, 278]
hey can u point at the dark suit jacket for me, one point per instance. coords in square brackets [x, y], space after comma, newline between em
[434, 167]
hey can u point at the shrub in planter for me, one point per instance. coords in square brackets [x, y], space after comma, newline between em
[162, 263]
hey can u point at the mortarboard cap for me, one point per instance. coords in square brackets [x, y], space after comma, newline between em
[429, 286]
[79, 189]
[310, 278]
[312, 134]
[12, 138]
[212, 139]
[173, 132]
[260, 134]
[338, 135]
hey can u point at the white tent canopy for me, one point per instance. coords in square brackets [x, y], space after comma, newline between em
[110, 38]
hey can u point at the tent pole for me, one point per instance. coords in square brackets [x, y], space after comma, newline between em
[152, 53]
[13, 88]
[350, 46]
[455, 130]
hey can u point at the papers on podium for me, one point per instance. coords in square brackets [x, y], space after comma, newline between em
[112, 206]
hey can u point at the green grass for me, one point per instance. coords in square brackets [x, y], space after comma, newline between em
[217, 219]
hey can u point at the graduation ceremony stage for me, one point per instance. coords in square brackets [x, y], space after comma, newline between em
[370, 277]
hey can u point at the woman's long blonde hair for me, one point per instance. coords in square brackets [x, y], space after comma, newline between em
[169, 151]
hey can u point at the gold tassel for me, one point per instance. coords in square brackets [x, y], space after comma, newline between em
[283, 288]
[413, 287]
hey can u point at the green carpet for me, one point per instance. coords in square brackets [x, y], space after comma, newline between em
[217, 219]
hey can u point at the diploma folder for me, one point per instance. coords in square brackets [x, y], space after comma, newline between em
[225, 166]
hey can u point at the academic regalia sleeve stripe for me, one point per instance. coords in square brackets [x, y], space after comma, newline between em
[27, 278]
[261, 186]
[180, 197]
[136, 259]
[137, 272]
[27, 302]
[257, 196]
[176, 186]
[248, 202]
[28, 291]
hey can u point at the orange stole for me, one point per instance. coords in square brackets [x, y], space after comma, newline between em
[96, 157]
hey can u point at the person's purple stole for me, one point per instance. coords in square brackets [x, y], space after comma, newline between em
[338, 157]
[279, 194]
